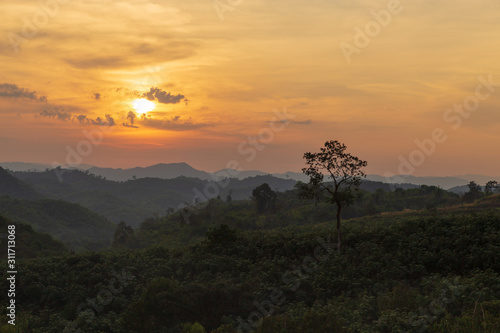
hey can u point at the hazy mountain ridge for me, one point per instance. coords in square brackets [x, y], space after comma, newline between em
[174, 170]
[133, 201]
[16, 188]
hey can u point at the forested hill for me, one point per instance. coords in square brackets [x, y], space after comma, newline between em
[76, 226]
[135, 200]
[433, 270]
[16, 188]
[29, 243]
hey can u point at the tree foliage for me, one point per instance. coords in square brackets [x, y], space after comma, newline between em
[264, 197]
[342, 168]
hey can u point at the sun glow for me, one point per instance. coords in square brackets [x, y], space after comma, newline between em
[143, 105]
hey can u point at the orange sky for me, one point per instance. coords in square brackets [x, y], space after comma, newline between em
[217, 75]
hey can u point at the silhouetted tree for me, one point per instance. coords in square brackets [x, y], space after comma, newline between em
[475, 192]
[342, 168]
[491, 187]
[265, 198]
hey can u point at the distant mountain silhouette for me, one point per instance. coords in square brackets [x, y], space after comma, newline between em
[133, 201]
[15, 188]
[23, 166]
[162, 170]
[443, 182]
[174, 170]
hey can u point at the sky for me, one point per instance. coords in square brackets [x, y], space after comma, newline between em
[409, 86]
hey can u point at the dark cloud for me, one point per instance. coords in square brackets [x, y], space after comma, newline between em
[10, 90]
[131, 117]
[97, 96]
[173, 124]
[107, 121]
[129, 125]
[162, 96]
[61, 114]
[82, 119]
[57, 113]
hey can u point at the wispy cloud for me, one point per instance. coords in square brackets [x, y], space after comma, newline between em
[172, 124]
[61, 113]
[10, 90]
[57, 113]
[289, 121]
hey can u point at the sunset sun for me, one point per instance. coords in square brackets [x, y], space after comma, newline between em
[143, 105]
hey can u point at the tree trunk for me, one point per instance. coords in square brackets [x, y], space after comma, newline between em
[339, 238]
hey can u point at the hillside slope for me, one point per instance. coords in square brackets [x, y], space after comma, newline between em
[16, 188]
[437, 271]
[29, 243]
[76, 226]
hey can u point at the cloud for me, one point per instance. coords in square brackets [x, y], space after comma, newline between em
[108, 121]
[162, 96]
[131, 116]
[57, 113]
[98, 62]
[288, 121]
[61, 114]
[173, 124]
[10, 90]
[97, 96]
[82, 119]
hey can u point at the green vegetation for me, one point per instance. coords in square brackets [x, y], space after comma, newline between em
[135, 200]
[15, 188]
[31, 244]
[76, 226]
[288, 209]
[414, 259]
[435, 269]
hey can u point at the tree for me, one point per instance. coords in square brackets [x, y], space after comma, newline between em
[475, 192]
[342, 168]
[491, 187]
[309, 191]
[124, 235]
[265, 198]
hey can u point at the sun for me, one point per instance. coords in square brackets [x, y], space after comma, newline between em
[143, 105]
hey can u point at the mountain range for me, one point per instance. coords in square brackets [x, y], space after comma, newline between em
[174, 170]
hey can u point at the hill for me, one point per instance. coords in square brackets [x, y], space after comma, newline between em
[135, 200]
[162, 170]
[29, 243]
[16, 188]
[188, 227]
[76, 226]
[432, 270]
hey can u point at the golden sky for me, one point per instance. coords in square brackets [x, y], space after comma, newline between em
[217, 71]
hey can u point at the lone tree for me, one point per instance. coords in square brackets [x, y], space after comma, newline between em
[343, 169]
